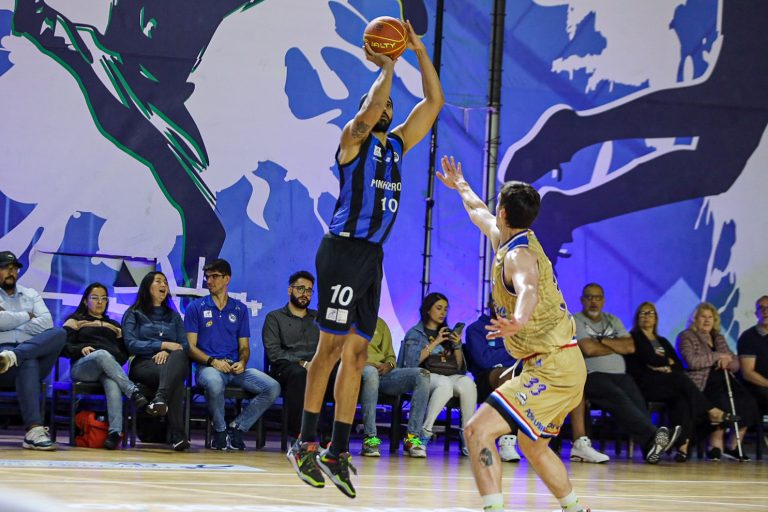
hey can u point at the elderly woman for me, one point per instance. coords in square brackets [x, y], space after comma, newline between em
[661, 378]
[708, 357]
[432, 345]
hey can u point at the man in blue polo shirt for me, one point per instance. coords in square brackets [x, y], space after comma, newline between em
[218, 333]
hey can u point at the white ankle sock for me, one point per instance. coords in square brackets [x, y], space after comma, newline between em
[493, 502]
[570, 503]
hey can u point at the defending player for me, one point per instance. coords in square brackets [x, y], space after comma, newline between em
[537, 330]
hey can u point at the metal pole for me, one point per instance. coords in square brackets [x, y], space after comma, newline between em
[430, 201]
[492, 141]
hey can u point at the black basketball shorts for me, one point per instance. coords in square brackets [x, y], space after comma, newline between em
[349, 274]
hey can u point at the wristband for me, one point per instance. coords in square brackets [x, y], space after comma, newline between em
[210, 360]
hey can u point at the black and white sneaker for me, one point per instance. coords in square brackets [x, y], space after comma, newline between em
[157, 407]
[662, 441]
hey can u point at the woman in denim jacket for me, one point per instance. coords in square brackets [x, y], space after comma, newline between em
[431, 336]
[154, 333]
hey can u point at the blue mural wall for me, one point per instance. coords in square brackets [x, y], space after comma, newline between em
[145, 134]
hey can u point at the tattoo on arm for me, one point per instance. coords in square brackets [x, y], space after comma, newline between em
[359, 130]
[486, 457]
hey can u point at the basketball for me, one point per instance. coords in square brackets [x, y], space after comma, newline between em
[386, 35]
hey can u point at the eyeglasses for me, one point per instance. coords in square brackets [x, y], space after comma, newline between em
[592, 297]
[97, 298]
[301, 289]
[647, 313]
[208, 277]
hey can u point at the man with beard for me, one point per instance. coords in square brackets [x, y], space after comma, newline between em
[603, 340]
[290, 337]
[218, 332]
[350, 258]
[29, 347]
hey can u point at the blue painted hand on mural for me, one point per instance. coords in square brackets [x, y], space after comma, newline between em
[724, 116]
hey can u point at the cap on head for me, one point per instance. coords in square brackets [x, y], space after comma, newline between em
[8, 258]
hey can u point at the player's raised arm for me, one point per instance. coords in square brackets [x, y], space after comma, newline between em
[479, 213]
[356, 130]
[423, 115]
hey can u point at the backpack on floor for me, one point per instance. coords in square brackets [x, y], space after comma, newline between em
[91, 431]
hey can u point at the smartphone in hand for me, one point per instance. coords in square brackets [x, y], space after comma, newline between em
[458, 329]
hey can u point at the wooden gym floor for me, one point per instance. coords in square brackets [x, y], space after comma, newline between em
[152, 478]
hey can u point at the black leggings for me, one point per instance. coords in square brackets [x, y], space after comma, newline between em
[169, 380]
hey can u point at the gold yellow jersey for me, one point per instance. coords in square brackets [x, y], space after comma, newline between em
[550, 325]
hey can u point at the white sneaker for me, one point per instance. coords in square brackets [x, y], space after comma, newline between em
[507, 450]
[7, 360]
[38, 439]
[582, 451]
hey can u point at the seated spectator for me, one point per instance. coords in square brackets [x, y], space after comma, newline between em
[661, 378]
[218, 332]
[29, 347]
[154, 333]
[603, 340]
[290, 336]
[753, 355]
[708, 357]
[432, 345]
[381, 376]
[97, 351]
[490, 365]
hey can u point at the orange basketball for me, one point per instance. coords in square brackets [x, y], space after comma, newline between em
[386, 35]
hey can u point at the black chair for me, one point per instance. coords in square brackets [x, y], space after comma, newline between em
[452, 404]
[73, 393]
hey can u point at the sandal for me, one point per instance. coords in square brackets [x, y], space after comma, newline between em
[681, 456]
[726, 420]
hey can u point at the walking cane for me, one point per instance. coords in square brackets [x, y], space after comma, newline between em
[733, 411]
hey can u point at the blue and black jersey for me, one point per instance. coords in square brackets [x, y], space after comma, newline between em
[370, 191]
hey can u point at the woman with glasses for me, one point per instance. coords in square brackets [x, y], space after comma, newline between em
[708, 356]
[432, 345]
[154, 333]
[96, 349]
[661, 378]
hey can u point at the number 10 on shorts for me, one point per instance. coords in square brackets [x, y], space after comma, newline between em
[342, 296]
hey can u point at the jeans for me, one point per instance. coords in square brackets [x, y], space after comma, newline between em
[35, 358]
[395, 382]
[100, 366]
[442, 389]
[169, 381]
[265, 388]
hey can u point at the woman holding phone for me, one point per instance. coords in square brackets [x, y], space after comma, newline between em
[432, 345]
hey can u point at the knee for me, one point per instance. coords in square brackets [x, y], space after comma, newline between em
[473, 433]
[370, 377]
[101, 355]
[211, 381]
[274, 388]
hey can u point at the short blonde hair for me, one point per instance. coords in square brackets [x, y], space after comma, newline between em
[706, 306]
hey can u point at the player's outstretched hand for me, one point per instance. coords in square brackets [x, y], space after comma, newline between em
[414, 41]
[502, 328]
[452, 174]
[379, 59]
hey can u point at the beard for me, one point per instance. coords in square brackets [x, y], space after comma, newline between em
[382, 125]
[299, 302]
[8, 284]
[592, 314]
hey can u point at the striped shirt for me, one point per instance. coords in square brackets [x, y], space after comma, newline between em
[369, 194]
